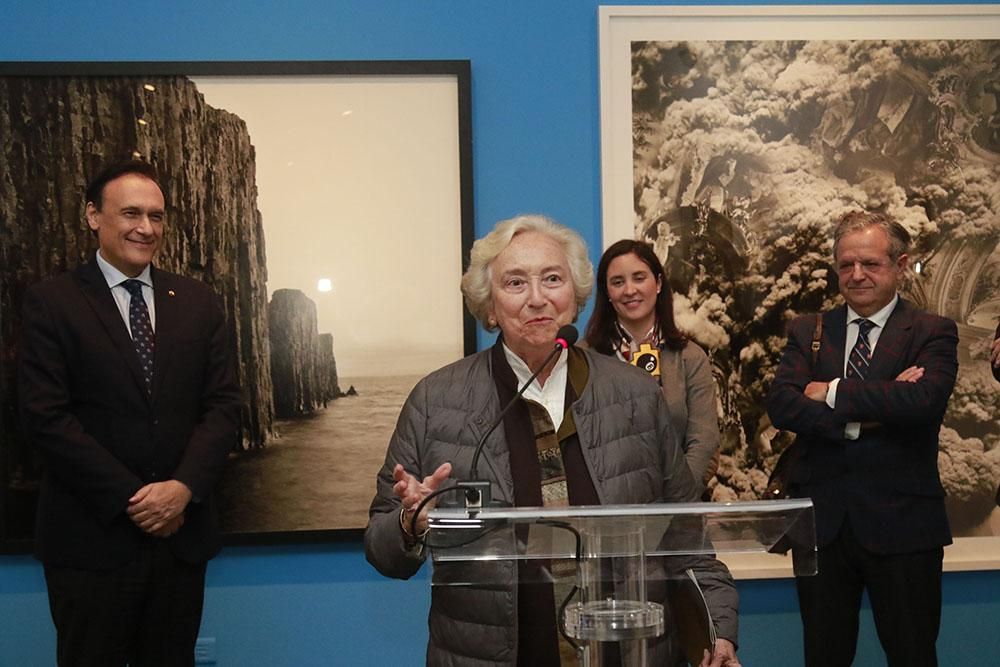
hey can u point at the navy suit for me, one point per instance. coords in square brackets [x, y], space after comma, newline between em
[101, 436]
[883, 489]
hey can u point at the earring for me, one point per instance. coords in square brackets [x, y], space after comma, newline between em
[492, 323]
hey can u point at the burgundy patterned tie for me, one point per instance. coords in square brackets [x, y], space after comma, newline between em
[861, 354]
[142, 330]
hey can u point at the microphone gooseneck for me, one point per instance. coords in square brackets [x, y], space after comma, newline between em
[566, 337]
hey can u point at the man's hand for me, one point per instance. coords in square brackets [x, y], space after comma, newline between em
[171, 527]
[911, 374]
[156, 505]
[724, 655]
[817, 391]
[411, 492]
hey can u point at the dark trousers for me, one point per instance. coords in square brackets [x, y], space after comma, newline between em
[905, 595]
[144, 614]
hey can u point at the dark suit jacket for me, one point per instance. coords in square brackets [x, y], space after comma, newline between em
[99, 434]
[886, 482]
[996, 370]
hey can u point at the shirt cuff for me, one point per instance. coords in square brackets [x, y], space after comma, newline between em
[852, 430]
[831, 393]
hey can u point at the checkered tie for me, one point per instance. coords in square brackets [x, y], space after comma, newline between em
[861, 355]
[142, 330]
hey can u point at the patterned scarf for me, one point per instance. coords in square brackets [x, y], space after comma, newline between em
[627, 346]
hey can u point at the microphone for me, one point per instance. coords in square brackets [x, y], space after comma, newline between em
[477, 491]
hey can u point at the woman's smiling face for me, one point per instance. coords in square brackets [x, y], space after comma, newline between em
[633, 290]
[532, 292]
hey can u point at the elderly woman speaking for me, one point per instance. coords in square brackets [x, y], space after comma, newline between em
[589, 430]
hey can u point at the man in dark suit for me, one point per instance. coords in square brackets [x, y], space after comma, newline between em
[867, 416]
[128, 393]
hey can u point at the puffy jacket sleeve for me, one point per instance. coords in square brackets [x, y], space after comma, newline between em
[713, 576]
[385, 546]
[721, 596]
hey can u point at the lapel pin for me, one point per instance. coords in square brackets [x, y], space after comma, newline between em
[170, 292]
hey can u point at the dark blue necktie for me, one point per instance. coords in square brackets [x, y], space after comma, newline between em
[861, 354]
[142, 330]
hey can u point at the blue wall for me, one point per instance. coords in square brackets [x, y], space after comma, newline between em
[536, 132]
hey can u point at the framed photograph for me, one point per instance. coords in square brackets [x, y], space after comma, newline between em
[329, 204]
[733, 136]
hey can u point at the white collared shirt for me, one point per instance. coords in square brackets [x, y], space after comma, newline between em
[551, 395]
[853, 429]
[116, 278]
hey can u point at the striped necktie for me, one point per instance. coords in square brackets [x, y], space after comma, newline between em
[142, 330]
[861, 354]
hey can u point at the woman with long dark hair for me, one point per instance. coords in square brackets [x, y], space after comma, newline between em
[633, 319]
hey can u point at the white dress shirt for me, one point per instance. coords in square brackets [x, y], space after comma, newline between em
[121, 295]
[551, 395]
[853, 429]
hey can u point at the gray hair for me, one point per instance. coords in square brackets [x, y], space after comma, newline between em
[477, 283]
[853, 221]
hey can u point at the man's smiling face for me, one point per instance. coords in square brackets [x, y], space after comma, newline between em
[129, 223]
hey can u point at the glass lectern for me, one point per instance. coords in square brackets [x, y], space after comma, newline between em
[614, 566]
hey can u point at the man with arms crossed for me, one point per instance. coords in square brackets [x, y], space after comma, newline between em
[867, 415]
[129, 395]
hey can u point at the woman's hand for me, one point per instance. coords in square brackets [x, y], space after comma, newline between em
[723, 656]
[411, 492]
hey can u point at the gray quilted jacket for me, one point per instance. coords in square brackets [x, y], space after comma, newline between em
[631, 452]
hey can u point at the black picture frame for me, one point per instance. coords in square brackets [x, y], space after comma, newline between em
[18, 467]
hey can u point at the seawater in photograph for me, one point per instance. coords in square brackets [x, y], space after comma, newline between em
[319, 465]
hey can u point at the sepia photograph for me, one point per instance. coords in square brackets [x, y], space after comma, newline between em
[744, 152]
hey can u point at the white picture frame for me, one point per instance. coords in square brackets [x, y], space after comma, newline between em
[621, 25]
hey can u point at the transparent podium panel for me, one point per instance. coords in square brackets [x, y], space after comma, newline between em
[619, 573]
[573, 533]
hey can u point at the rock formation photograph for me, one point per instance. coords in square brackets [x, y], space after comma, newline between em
[306, 205]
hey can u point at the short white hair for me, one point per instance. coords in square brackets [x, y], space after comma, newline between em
[477, 283]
